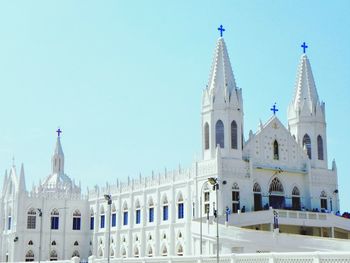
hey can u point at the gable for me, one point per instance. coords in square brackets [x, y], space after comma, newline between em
[260, 147]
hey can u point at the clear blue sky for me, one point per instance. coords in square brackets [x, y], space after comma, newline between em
[124, 79]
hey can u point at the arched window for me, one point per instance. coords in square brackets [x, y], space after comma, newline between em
[206, 136]
[276, 186]
[29, 256]
[31, 218]
[9, 218]
[53, 243]
[55, 219]
[138, 212]
[92, 219]
[102, 217]
[180, 250]
[165, 208]
[307, 144]
[114, 216]
[76, 220]
[219, 134]
[296, 199]
[180, 207]
[235, 198]
[275, 150]
[100, 252]
[320, 147]
[30, 243]
[136, 252]
[123, 253]
[323, 199]
[234, 135]
[53, 255]
[125, 214]
[150, 251]
[76, 243]
[206, 200]
[164, 251]
[112, 252]
[257, 197]
[75, 254]
[150, 210]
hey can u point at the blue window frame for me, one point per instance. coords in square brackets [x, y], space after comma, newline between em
[125, 218]
[54, 222]
[165, 213]
[102, 223]
[181, 210]
[114, 219]
[76, 223]
[151, 214]
[9, 223]
[92, 223]
[138, 216]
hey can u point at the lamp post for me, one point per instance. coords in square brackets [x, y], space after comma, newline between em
[109, 202]
[214, 182]
[201, 219]
[41, 231]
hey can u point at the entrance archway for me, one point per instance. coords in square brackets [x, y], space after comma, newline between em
[276, 194]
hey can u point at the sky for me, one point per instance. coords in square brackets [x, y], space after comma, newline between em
[124, 79]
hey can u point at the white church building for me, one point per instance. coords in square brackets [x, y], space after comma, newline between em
[270, 192]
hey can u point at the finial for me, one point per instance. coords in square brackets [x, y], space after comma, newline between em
[59, 131]
[221, 29]
[304, 46]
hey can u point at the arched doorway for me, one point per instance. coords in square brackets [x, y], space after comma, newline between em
[257, 197]
[276, 194]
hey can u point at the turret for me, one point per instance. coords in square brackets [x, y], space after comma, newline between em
[222, 109]
[306, 116]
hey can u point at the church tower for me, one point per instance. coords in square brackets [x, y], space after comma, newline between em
[306, 116]
[222, 109]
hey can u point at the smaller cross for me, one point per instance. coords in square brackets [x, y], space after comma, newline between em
[221, 29]
[274, 109]
[59, 131]
[304, 46]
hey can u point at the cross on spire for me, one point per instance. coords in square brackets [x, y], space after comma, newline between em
[221, 29]
[274, 109]
[304, 46]
[59, 131]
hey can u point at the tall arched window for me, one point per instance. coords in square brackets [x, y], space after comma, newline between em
[103, 217]
[29, 256]
[55, 219]
[76, 220]
[9, 219]
[180, 250]
[206, 200]
[150, 210]
[92, 219]
[180, 207]
[136, 252]
[323, 198]
[235, 198]
[320, 147]
[206, 136]
[219, 134]
[31, 219]
[234, 135]
[296, 198]
[150, 251]
[307, 144]
[164, 251]
[125, 214]
[165, 209]
[275, 150]
[257, 197]
[114, 216]
[138, 212]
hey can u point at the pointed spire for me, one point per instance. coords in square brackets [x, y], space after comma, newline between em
[58, 148]
[58, 157]
[305, 88]
[22, 182]
[221, 79]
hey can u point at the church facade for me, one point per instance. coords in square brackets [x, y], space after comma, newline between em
[274, 186]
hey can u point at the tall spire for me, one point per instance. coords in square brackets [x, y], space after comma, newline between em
[221, 79]
[305, 97]
[58, 158]
[22, 181]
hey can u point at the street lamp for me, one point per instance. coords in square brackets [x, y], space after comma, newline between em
[109, 202]
[41, 231]
[214, 182]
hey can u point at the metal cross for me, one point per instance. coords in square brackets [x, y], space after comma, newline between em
[304, 46]
[59, 131]
[221, 29]
[274, 109]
